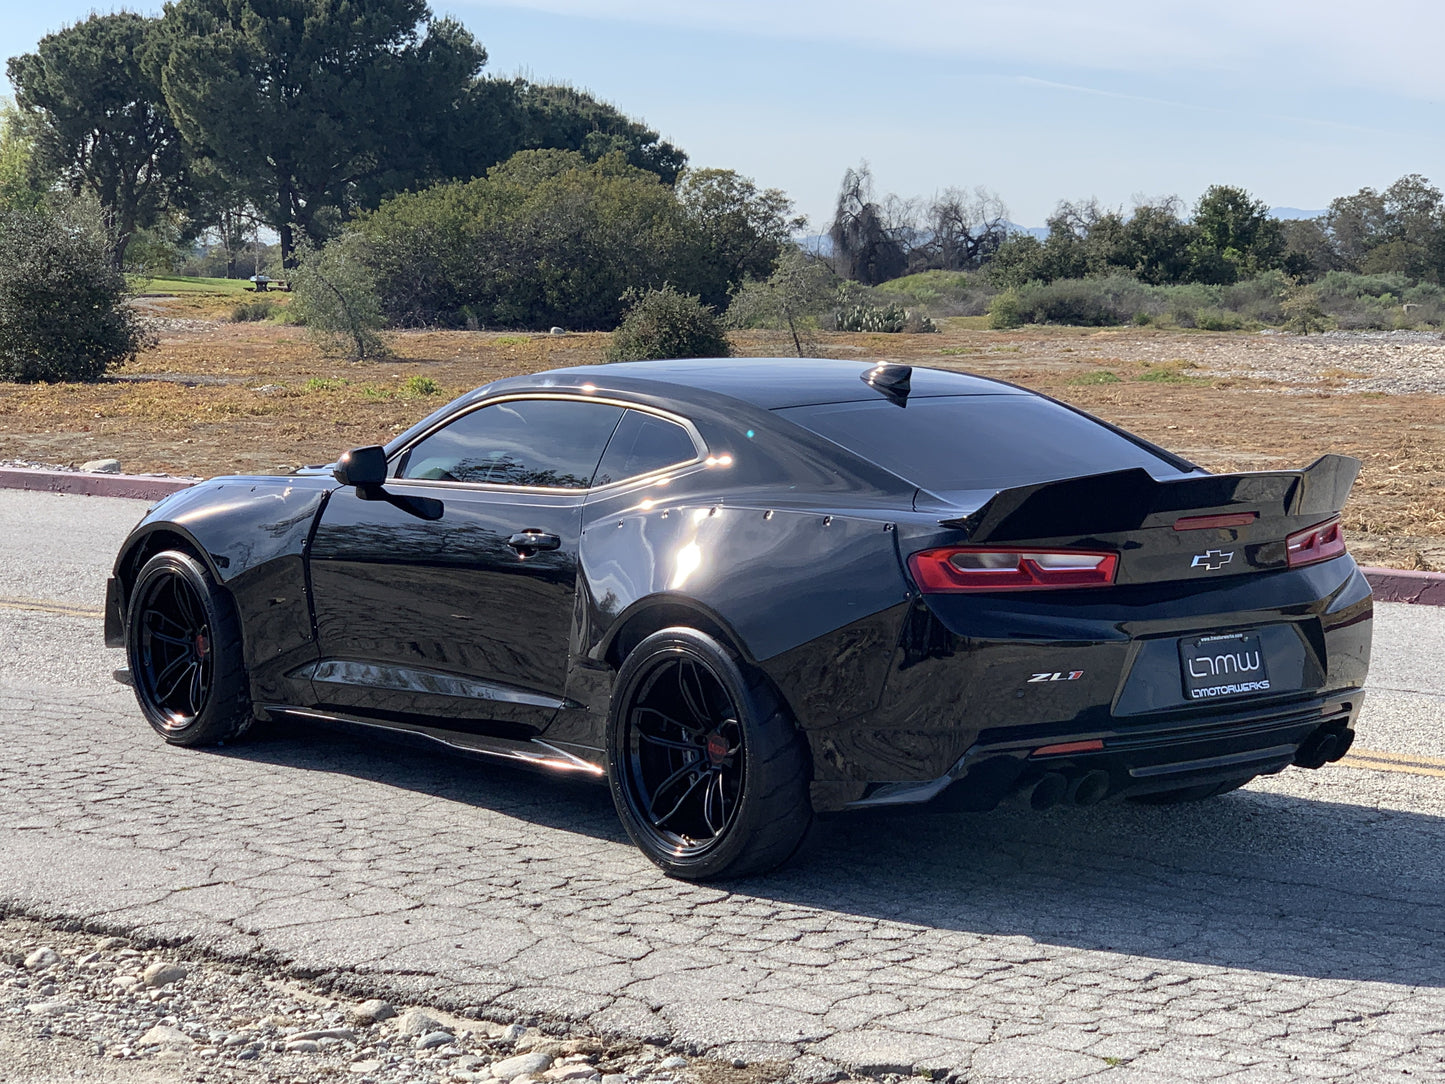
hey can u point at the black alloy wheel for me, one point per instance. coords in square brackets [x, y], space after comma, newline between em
[707, 770]
[183, 646]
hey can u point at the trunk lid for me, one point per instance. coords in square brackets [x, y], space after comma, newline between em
[1189, 528]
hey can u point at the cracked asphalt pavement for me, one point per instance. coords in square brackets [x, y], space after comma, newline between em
[1292, 930]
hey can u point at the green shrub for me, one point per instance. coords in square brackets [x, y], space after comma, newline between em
[667, 324]
[247, 311]
[1004, 311]
[1216, 319]
[940, 293]
[336, 297]
[1101, 377]
[1100, 302]
[62, 304]
[419, 387]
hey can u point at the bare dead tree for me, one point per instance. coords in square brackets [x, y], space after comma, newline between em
[964, 229]
[863, 249]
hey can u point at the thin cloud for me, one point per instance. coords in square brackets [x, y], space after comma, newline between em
[1197, 107]
[1292, 43]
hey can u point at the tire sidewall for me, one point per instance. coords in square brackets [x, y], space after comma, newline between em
[657, 648]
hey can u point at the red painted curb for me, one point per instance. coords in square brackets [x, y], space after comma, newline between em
[1389, 584]
[1398, 585]
[134, 486]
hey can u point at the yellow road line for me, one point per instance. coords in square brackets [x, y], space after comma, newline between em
[1369, 760]
[47, 607]
[1404, 758]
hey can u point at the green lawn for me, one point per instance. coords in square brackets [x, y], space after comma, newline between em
[180, 285]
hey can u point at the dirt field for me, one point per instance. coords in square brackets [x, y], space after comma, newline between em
[214, 397]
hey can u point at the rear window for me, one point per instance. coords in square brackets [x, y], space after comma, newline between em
[977, 442]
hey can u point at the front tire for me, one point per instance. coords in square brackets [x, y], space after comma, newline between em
[707, 770]
[183, 644]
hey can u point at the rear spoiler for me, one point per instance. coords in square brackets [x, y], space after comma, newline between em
[1127, 500]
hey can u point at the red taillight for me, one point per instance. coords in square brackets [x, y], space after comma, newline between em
[961, 568]
[1317, 543]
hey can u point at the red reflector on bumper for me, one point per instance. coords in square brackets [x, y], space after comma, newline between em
[1069, 747]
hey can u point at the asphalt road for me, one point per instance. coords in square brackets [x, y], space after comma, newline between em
[1292, 930]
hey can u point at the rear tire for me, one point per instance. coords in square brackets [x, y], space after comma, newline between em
[183, 643]
[1190, 794]
[707, 770]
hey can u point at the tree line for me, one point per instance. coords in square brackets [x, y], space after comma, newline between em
[1227, 236]
[298, 116]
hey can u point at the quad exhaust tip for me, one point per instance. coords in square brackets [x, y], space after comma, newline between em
[1055, 788]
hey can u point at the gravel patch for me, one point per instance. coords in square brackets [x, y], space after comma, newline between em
[114, 1009]
[1382, 362]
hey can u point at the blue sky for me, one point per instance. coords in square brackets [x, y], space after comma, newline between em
[1038, 100]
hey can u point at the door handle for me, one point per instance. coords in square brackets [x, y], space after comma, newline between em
[533, 541]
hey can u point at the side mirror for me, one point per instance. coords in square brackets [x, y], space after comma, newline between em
[362, 467]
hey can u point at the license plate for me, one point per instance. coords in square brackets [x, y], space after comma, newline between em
[1217, 667]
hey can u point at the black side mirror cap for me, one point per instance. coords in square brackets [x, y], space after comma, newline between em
[362, 467]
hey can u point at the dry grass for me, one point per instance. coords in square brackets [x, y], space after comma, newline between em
[259, 397]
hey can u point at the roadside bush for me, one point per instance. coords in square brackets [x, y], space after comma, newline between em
[335, 295]
[549, 238]
[62, 305]
[667, 324]
[940, 293]
[249, 311]
[1100, 302]
[1004, 311]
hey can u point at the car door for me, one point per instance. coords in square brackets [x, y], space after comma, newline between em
[446, 598]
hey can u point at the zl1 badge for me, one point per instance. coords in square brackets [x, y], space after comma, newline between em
[1058, 675]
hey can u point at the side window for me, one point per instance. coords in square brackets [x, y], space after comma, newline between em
[643, 443]
[522, 442]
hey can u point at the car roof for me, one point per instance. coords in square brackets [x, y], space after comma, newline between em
[772, 383]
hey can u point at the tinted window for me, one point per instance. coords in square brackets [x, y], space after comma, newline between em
[969, 442]
[643, 443]
[524, 442]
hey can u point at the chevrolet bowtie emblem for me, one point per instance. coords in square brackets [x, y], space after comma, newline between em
[1212, 561]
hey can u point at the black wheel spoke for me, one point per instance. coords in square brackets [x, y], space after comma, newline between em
[692, 786]
[176, 685]
[198, 688]
[714, 787]
[165, 674]
[669, 743]
[666, 784]
[689, 683]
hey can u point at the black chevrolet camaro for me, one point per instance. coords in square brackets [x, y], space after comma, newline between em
[746, 591]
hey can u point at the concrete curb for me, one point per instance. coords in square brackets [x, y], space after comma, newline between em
[135, 486]
[1398, 585]
[1389, 584]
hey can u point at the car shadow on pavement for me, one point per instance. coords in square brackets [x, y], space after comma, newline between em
[1254, 880]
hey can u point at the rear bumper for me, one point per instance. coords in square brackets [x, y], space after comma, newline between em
[1142, 760]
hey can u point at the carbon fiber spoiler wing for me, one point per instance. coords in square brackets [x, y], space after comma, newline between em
[1128, 500]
